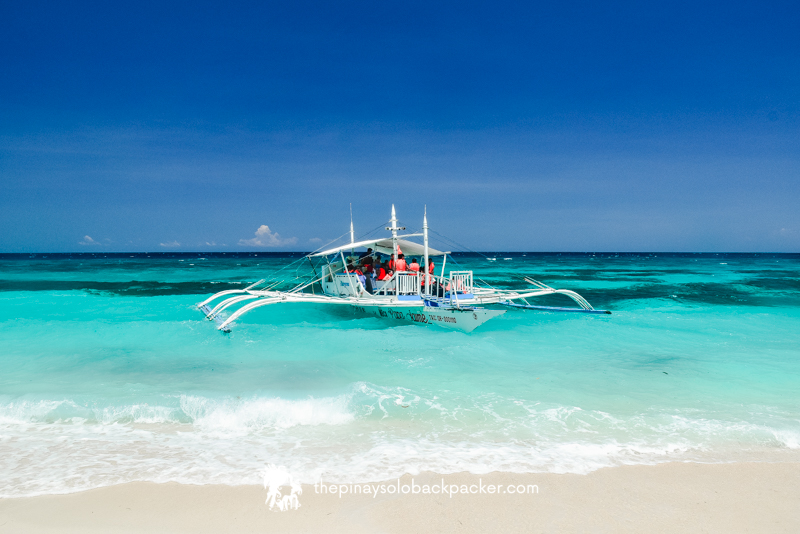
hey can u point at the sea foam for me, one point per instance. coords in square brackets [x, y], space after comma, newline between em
[370, 433]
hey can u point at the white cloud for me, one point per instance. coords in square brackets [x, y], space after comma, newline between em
[88, 241]
[267, 238]
[211, 244]
[315, 240]
[170, 244]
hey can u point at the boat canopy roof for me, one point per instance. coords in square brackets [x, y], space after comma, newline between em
[384, 246]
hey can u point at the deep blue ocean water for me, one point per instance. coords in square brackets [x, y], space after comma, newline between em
[109, 374]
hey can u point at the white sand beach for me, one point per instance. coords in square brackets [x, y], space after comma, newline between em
[676, 497]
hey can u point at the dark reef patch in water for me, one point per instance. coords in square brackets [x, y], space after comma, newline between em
[774, 284]
[694, 292]
[132, 289]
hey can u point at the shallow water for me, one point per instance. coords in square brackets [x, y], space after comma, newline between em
[110, 374]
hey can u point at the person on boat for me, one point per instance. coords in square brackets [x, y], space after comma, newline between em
[366, 263]
[376, 265]
[365, 254]
[366, 283]
[424, 280]
[430, 277]
[400, 264]
[379, 272]
[384, 273]
[413, 266]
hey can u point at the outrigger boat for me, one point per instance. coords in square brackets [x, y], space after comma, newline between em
[451, 300]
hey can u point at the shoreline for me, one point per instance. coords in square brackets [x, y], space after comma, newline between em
[669, 497]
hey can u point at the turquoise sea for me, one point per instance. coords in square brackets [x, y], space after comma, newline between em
[109, 374]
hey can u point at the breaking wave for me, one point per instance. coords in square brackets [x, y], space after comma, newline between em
[370, 433]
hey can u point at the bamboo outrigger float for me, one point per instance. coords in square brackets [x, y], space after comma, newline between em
[451, 300]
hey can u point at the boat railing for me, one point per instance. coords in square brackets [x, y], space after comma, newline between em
[401, 283]
[458, 283]
[387, 287]
[461, 281]
[407, 283]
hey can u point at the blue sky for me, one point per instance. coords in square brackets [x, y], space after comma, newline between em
[558, 126]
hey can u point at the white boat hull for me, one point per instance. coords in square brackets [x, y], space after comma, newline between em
[464, 320]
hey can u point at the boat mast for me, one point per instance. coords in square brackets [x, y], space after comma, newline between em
[425, 240]
[352, 234]
[393, 228]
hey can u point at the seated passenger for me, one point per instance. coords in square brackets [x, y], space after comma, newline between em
[383, 272]
[374, 266]
[366, 264]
